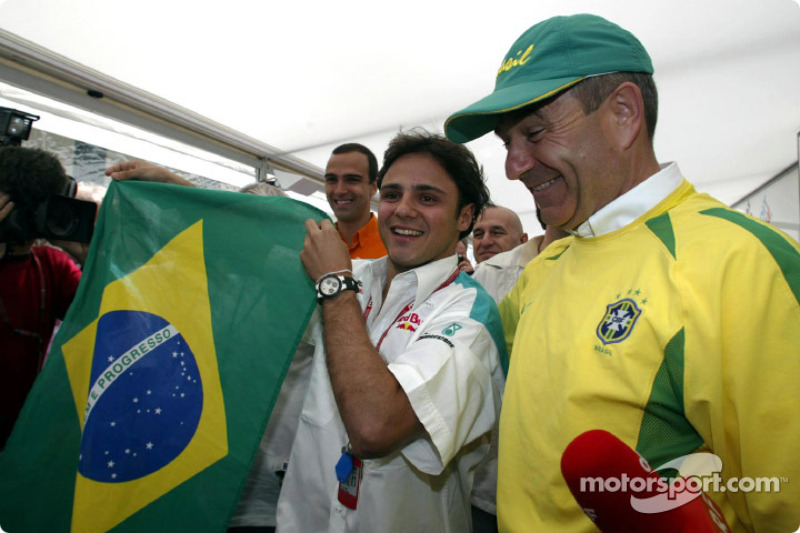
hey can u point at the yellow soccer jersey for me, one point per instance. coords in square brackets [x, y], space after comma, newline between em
[678, 332]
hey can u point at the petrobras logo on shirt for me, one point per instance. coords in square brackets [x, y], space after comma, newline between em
[451, 329]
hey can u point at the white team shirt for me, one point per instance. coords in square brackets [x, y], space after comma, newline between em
[499, 273]
[444, 353]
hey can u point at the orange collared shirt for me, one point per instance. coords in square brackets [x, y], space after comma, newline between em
[367, 243]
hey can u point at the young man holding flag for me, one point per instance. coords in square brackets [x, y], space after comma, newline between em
[404, 386]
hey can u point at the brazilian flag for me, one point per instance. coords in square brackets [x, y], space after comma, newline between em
[160, 381]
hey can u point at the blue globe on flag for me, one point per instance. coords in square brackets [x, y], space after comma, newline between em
[145, 398]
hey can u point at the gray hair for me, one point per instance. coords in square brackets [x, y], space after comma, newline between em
[262, 189]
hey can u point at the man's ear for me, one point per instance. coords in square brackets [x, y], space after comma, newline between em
[373, 188]
[626, 111]
[465, 217]
[523, 238]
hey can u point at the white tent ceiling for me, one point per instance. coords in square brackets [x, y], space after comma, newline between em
[306, 76]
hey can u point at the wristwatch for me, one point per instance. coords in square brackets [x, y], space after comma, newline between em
[330, 285]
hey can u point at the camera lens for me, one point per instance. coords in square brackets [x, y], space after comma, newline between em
[60, 221]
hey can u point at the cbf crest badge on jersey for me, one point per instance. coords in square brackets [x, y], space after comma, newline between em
[618, 322]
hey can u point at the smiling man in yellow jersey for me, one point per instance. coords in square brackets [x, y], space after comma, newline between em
[667, 318]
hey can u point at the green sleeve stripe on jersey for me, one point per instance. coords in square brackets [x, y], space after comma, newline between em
[786, 256]
[481, 312]
[665, 432]
[662, 227]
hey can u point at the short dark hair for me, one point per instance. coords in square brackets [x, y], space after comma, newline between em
[457, 160]
[372, 161]
[29, 175]
[593, 91]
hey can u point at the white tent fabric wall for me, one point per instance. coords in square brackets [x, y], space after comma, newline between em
[305, 77]
[776, 202]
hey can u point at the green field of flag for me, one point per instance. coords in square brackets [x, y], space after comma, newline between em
[159, 384]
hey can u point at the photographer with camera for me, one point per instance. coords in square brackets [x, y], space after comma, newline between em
[37, 283]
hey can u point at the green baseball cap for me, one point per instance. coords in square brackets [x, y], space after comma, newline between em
[548, 58]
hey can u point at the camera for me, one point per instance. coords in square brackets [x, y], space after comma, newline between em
[15, 126]
[58, 216]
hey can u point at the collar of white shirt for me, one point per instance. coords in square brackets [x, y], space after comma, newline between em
[427, 278]
[633, 204]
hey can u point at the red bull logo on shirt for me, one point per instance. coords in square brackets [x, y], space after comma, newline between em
[409, 322]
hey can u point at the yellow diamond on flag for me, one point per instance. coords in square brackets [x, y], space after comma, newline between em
[146, 385]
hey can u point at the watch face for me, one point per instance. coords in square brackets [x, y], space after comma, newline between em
[329, 286]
